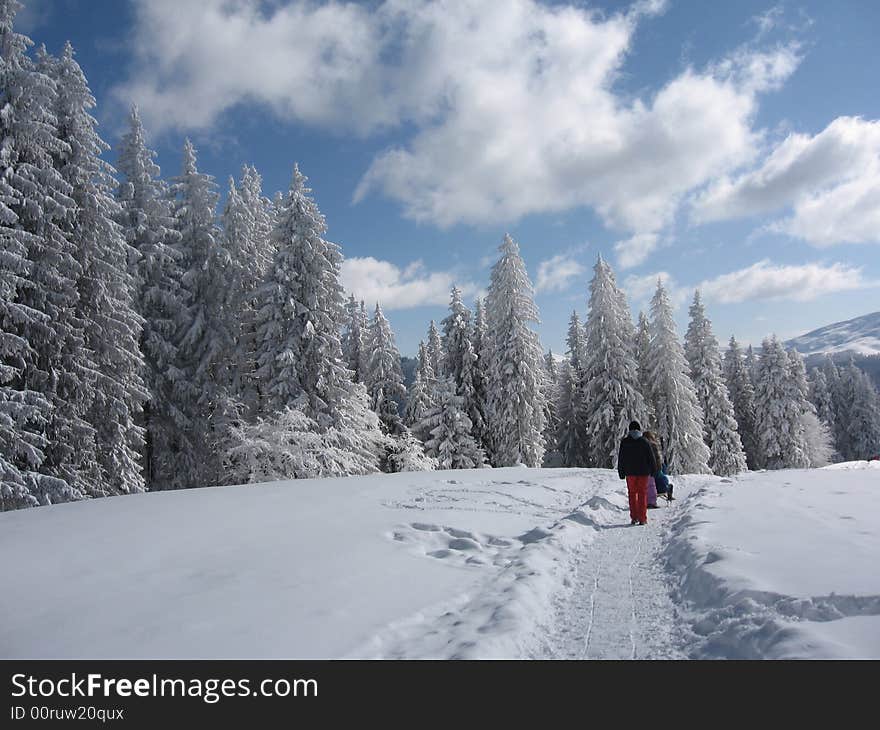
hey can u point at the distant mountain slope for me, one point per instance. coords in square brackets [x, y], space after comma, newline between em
[860, 336]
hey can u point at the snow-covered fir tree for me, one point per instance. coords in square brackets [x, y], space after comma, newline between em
[435, 349]
[420, 398]
[568, 439]
[571, 436]
[480, 341]
[106, 303]
[778, 413]
[551, 424]
[858, 415]
[450, 441]
[726, 455]
[45, 374]
[246, 228]
[643, 348]
[384, 379]
[149, 229]
[611, 391]
[459, 360]
[515, 401]
[742, 396]
[301, 311]
[820, 396]
[354, 340]
[677, 411]
[207, 340]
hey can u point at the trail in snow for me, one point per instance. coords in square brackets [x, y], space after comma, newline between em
[616, 602]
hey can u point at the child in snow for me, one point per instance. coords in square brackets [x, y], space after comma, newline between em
[659, 482]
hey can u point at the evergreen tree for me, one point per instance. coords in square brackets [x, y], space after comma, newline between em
[112, 328]
[726, 456]
[246, 229]
[459, 360]
[354, 342]
[551, 423]
[611, 391]
[859, 415]
[206, 337]
[451, 442]
[676, 408]
[778, 414]
[820, 397]
[515, 407]
[420, 399]
[384, 376]
[45, 370]
[480, 341]
[568, 440]
[742, 396]
[435, 350]
[643, 348]
[149, 229]
[301, 311]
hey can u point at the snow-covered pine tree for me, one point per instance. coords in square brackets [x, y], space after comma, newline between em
[643, 348]
[567, 440]
[742, 396]
[149, 229]
[677, 411]
[575, 341]
[818, 441]
[820, 396]
[384, 379]
[450, 442]
[611, 391]
[551, 423]
[480, 369]
[459, 360]
[720, 432]
[515, 401]
[420, 398]
[778, 413]
[858, 414]
[300, 315]
[435, 349]
[24, 410]
[106, 303]
[354, 340]
[206, 336]
[45, 367]
[246, 227]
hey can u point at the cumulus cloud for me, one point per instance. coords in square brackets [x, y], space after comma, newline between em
[640, 289]
[373, 280]
[509, 105]
[831, 181]
[635, 250]
[555, 274]
[766, 281]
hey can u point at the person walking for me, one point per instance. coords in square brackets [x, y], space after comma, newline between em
[661, 480]
[636, 463]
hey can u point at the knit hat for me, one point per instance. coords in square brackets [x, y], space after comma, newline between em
[634, 426]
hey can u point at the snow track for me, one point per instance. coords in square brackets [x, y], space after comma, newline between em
[616, 601]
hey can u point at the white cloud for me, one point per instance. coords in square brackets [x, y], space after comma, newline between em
[640, 289]
[373, 280]
[635, 250]
[511, 102]
[555, 274]
[766, 281]
[831, 181]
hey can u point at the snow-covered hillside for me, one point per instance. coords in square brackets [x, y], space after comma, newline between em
[531, 563]
[860, 336]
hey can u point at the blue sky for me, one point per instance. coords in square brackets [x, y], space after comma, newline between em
[735, 146]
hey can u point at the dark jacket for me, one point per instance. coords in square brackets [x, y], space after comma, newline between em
[636, 458]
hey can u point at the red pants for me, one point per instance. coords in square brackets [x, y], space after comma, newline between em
[638, 498]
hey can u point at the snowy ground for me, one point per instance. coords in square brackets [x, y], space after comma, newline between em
[467, 564]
